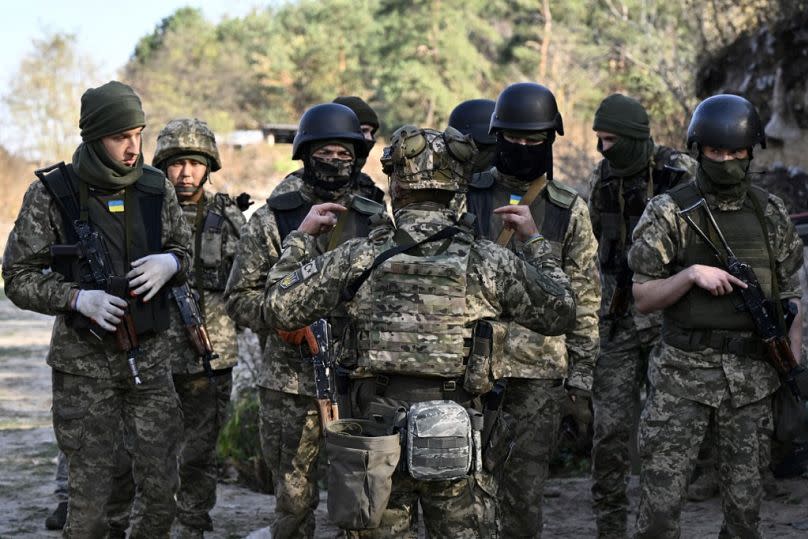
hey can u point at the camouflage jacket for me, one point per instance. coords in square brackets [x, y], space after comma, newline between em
[258, 250]
[572, 355]
[498, 283]
[222, 246]
[659, 242]
[638, 185]
[40, 225]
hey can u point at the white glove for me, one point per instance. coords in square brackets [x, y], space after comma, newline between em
[102, 308]
[150, 273]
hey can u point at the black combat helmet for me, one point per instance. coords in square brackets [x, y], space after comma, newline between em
[472, 117]
[726, 121]
[526, 106]
[327, 122]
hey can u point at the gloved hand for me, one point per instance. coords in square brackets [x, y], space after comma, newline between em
[243, 201]
[150, 273]
[299, 336]
[102, 308]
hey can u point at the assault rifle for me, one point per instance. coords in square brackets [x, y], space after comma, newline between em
[318, 338]
[773, 334]
[93, 250]
[194, 324]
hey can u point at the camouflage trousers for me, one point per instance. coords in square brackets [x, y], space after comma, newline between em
[291, 441]
[671, 431]
[204, 409]
[532, 409]
[620, 373]
[89, 415]
[450, 509]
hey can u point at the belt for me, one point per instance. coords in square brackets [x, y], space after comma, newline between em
[416, 389]
[725, 342]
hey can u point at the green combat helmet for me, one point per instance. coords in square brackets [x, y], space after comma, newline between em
[184, 137]
[420, 159]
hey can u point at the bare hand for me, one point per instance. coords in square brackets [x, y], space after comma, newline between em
[519, 219]
[321, 218]
[715, 280]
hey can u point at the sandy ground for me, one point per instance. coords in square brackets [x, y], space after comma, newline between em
[28, 450]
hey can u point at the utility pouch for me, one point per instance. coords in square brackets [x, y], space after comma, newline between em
[362, 457]
[210, 252]
[478, 377]
[439, 441]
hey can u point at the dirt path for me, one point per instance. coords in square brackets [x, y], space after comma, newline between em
[28, 450]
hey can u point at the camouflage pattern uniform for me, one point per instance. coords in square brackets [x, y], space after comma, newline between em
[625, 342]
[540, 365]
[498, 283]
[690, 387]
[290, 433]
[93, 392]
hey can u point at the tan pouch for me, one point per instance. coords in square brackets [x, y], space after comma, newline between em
[361, 460]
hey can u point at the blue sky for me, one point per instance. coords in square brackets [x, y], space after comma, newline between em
[107, 31]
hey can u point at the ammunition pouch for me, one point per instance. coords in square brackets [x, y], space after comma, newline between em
[439, 441]
[362, 457]
[478, 378]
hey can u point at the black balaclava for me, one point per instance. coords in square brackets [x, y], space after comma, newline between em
[329, 176]
[522, 161]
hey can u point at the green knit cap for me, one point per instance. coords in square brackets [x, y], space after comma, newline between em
[623, 116]
[109, 109]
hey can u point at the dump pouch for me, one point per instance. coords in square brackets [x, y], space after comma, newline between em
[362, 457]
[439, 441]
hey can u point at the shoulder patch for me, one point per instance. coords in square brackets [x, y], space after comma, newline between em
[365, 206]
[286, 201]
[300, 275]
[561, 195]
[482, 180]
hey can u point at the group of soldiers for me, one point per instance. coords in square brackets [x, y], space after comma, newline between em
[493, 298]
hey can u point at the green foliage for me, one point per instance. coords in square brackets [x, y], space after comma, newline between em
[239, 442]
[414, 60]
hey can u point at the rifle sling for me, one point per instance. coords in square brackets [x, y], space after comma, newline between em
[352, 288]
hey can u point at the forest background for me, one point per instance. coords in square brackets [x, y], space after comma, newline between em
[413, 60]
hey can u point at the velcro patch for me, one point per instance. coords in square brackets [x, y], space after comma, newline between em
[299, 276]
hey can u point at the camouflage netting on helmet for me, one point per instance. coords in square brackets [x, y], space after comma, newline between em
[186, 136]
[428, 159]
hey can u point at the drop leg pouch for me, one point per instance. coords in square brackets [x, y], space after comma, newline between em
[362, 457]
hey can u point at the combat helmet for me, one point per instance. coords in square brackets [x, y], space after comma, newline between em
[726, 121]
[184, 136]
[429, 159]
[329, 121]
[473, 117]
[526, 106]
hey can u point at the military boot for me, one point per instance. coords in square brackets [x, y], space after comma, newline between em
[771, 489]
[705, 486]
[57, 519]
[183, 531]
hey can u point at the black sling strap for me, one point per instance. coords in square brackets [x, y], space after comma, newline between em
[350, 291]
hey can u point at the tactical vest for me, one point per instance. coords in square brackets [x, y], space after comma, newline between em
[410, 315]
[209, 271]
[698, 309]
[551, 211]
[291, 208]
[634, 192]
[146, 204]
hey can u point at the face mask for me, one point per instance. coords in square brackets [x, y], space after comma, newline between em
[524, 162]
[724, 173]
[484, 159]
[627, 156]
[330, 174]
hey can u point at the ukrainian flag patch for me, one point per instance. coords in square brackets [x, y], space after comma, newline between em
[515, 200]
[115, 206]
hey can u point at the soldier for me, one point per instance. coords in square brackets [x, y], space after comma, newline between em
[526, 120]
[109, 201]
[473, 117]
[186, 151]
[710, 364]
[427, 282]
[330, 142]
[368, 120]
[633, 170]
